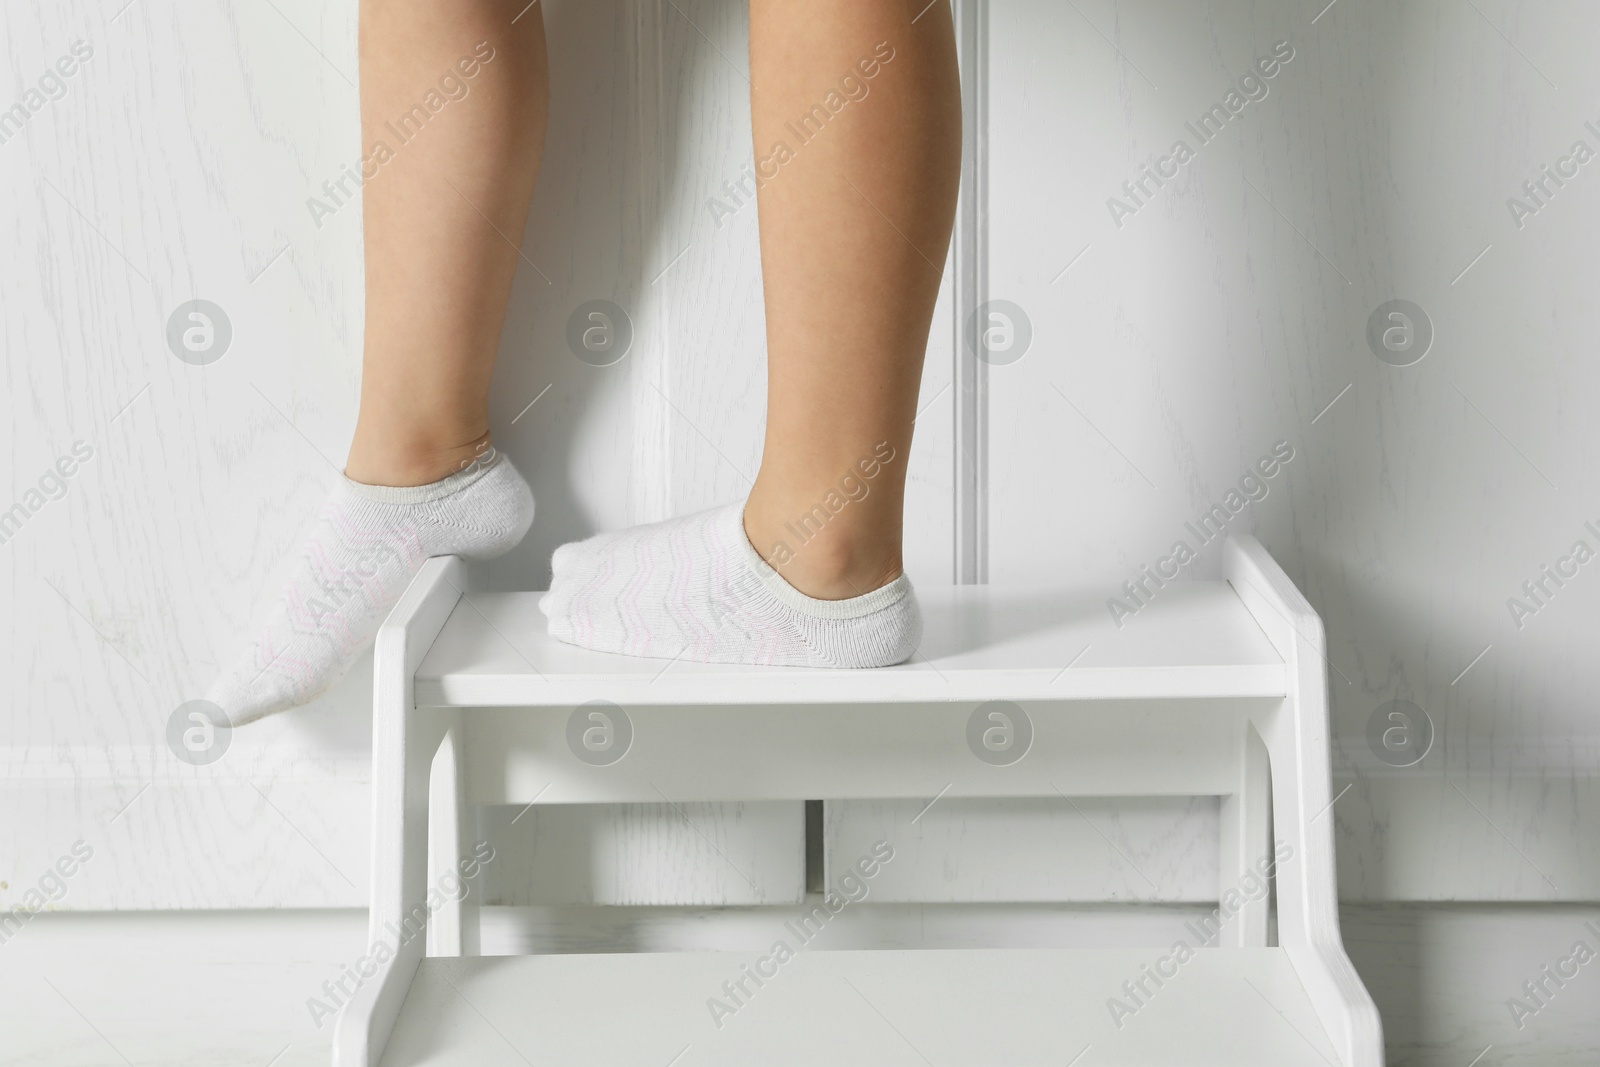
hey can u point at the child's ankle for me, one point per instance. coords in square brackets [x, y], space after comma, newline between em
[836, 562]
[377, 462]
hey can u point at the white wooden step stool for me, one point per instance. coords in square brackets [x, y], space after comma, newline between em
[1208, 686]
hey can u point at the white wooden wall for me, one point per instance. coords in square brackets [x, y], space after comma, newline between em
[1232, 310]
[1167, 356]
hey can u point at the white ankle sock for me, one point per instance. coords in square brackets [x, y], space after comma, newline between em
[369, 544]
[694, 588]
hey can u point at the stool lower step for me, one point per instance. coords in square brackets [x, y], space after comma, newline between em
[953, 1008]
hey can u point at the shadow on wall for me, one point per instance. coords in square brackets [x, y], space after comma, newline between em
[597, 232]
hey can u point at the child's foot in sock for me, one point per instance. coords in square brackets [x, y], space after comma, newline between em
[369, 544]
[694, 588]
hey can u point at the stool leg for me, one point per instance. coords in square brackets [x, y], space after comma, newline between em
[453, 924]
[405, 740]
[466, 830]
[404, 744]
[1247, 844]
[1297, 738]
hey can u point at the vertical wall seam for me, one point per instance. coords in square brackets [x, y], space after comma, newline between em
[970, 499]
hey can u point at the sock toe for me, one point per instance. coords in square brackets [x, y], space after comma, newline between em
[368, 545]
[246, 696]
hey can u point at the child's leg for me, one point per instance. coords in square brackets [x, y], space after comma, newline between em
[443, 208]
[854, 231]
[863, 96]
[442, 220]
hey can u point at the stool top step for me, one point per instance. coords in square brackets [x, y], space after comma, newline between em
[893, 1008]
[1194, 639]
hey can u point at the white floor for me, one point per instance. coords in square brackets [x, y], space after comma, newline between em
[224, 989]
[231, 989]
